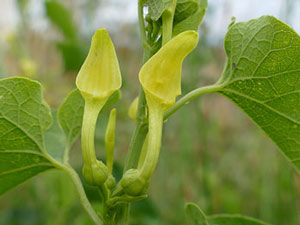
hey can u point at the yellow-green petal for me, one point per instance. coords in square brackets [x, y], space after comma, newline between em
[161, 74]
[100, 75]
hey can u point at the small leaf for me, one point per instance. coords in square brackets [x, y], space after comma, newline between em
[55, 139]
[233, 220]
[70, 113]
[111, 101]
[157, 7]
[192, 21]
[194, 214]
[61, 17]
[262, 78]
[184, 9]
[23, 119]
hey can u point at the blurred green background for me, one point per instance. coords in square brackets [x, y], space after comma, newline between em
[212, 154]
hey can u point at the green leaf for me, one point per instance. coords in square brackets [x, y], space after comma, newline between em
[233, 220]
[157, 7]
[262, 77]
[189, 18]
[70, 113]
[194, 214]
[184, 9]
[23, 119]
[55, 139]
[61, 18]
[111, 101]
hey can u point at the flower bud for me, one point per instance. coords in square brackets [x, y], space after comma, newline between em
[110, 182]
[95, 174]
[133, 183]
[110, 140]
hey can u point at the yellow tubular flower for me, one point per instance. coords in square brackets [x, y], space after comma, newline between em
[100, 75]
[161, 75]
[97, 79]
[161, 81]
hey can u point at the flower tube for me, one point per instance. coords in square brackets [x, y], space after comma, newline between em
[161, 81]
[98, 78]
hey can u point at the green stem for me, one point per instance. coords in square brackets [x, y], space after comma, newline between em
[82, 196]
[141, 128]
[189, 96]
[167, 27]
[142, 24]
[167, 23]
[79, 188]
[135, 146]
[66, 154]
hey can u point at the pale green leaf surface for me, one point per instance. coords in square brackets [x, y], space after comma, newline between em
[194, 214]
[233, 220]
[157, 7]
[55, 139]
[70, 115]
[23, 119]
[263, 78]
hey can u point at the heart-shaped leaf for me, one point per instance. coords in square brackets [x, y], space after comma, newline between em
[23, 119]
[262, 77]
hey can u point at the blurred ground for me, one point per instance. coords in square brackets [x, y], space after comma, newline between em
[212, 153]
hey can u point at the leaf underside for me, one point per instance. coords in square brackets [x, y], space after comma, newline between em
[70, 116]
[55, 140]
[157, 7]
[262, 77]
[23, 119]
